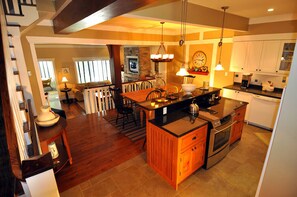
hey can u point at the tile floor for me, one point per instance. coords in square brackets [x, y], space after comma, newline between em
[236, 175]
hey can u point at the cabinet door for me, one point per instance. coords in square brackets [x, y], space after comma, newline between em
[286, 56]
[185, 164]
[229, 93]
[253, 57]
[198, 155]
[238, 56]
[269, 57]
[238, 126]
[246, 97]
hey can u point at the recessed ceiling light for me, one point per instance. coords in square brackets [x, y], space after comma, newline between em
[270, 9]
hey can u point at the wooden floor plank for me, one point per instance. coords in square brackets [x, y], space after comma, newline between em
[96, 146]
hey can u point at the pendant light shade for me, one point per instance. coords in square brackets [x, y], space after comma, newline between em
[161, 55]
[183, 71]
[219, 66]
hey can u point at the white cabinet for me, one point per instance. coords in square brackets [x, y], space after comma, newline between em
[270, 56]
[239, 51]
[253, 56]
[261, 57]
[240, 96]
[286, 55]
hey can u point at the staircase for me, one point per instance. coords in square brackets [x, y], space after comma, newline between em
[21, 135]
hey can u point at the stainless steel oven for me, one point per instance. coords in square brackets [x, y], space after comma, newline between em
[219, 133]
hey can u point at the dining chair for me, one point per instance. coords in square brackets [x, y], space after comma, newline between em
[171, 89]
[121, 108]
[146, 85]
[160, 82]
[154, 94]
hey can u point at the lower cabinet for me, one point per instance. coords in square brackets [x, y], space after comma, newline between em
[175, 158]
[238, 126]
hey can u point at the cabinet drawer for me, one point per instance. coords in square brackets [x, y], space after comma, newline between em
[240, 113]
[194, 137]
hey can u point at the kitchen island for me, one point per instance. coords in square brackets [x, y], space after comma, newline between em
[177, 142]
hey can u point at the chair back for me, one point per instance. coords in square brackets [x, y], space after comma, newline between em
[146, 85]
[117, 97]
[154, 94]
[171, 89]
[160, 82]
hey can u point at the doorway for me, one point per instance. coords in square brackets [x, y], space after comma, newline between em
[49, 82]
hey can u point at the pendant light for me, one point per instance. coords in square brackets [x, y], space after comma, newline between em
[183, 23]
[159, 56]
[219, 65]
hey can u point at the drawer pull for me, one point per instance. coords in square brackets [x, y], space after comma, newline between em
[194, 138]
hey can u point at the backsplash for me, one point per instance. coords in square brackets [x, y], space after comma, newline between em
[258, 79]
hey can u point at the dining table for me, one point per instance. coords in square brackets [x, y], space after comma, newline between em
[138, 97]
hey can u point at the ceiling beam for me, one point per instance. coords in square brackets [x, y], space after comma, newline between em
[81, 14]
[197, 15]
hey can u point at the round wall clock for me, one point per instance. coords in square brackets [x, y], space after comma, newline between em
[199, 59]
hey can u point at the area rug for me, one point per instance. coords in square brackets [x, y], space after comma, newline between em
[132, 131]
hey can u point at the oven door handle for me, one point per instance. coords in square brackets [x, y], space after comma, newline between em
[217, 131]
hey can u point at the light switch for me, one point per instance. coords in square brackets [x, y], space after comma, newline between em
[29, 73]
[164, 110]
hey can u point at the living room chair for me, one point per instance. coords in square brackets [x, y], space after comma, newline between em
[122, 109]
[47, 83]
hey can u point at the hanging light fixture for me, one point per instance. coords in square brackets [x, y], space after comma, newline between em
[183, 23]
[162, 56]
[219, 65]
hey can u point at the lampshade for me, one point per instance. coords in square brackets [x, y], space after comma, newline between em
[182, 71]
[64, 79]
[161, 55]
[219, 65]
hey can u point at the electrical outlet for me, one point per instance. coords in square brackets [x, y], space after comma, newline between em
[29, 73]
[284, 80]
[164, 110]
[226, 74]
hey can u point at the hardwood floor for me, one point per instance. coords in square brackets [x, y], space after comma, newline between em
[96, 146]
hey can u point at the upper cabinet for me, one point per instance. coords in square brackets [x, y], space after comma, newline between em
[285, 60]
[264, 56]
[254, 50]
[269, 56]
[238, 56]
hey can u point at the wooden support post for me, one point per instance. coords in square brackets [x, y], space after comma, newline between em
[115, 64]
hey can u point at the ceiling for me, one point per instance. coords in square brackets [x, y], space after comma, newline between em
[252, 9]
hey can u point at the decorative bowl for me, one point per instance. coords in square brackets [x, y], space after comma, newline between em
[188, 88]
[48, 123]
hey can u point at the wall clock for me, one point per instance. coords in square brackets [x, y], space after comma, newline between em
[199, 59]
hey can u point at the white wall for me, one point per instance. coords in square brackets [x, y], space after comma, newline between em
[279, 175]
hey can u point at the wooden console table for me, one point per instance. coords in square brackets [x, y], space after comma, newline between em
[48, 135]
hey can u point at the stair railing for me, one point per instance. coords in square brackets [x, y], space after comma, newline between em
[14, 7]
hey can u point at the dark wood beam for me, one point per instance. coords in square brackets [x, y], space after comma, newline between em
[81, 14]
[115, 64]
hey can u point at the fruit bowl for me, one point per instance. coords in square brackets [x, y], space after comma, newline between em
[188, 88]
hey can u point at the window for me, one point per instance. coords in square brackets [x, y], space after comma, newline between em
[46, 68]
[92, 70]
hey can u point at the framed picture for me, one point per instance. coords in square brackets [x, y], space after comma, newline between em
[65, 70]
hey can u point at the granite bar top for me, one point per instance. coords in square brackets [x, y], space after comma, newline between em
[277, 93]
[179, 97]
[178, 123]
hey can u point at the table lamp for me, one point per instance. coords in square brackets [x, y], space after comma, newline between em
[64, 80]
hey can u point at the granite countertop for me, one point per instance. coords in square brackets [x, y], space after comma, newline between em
[226, 106]
[178, 123]
[277, 93]
[180, 97]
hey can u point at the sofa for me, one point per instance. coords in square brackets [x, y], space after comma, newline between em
[79, 88]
